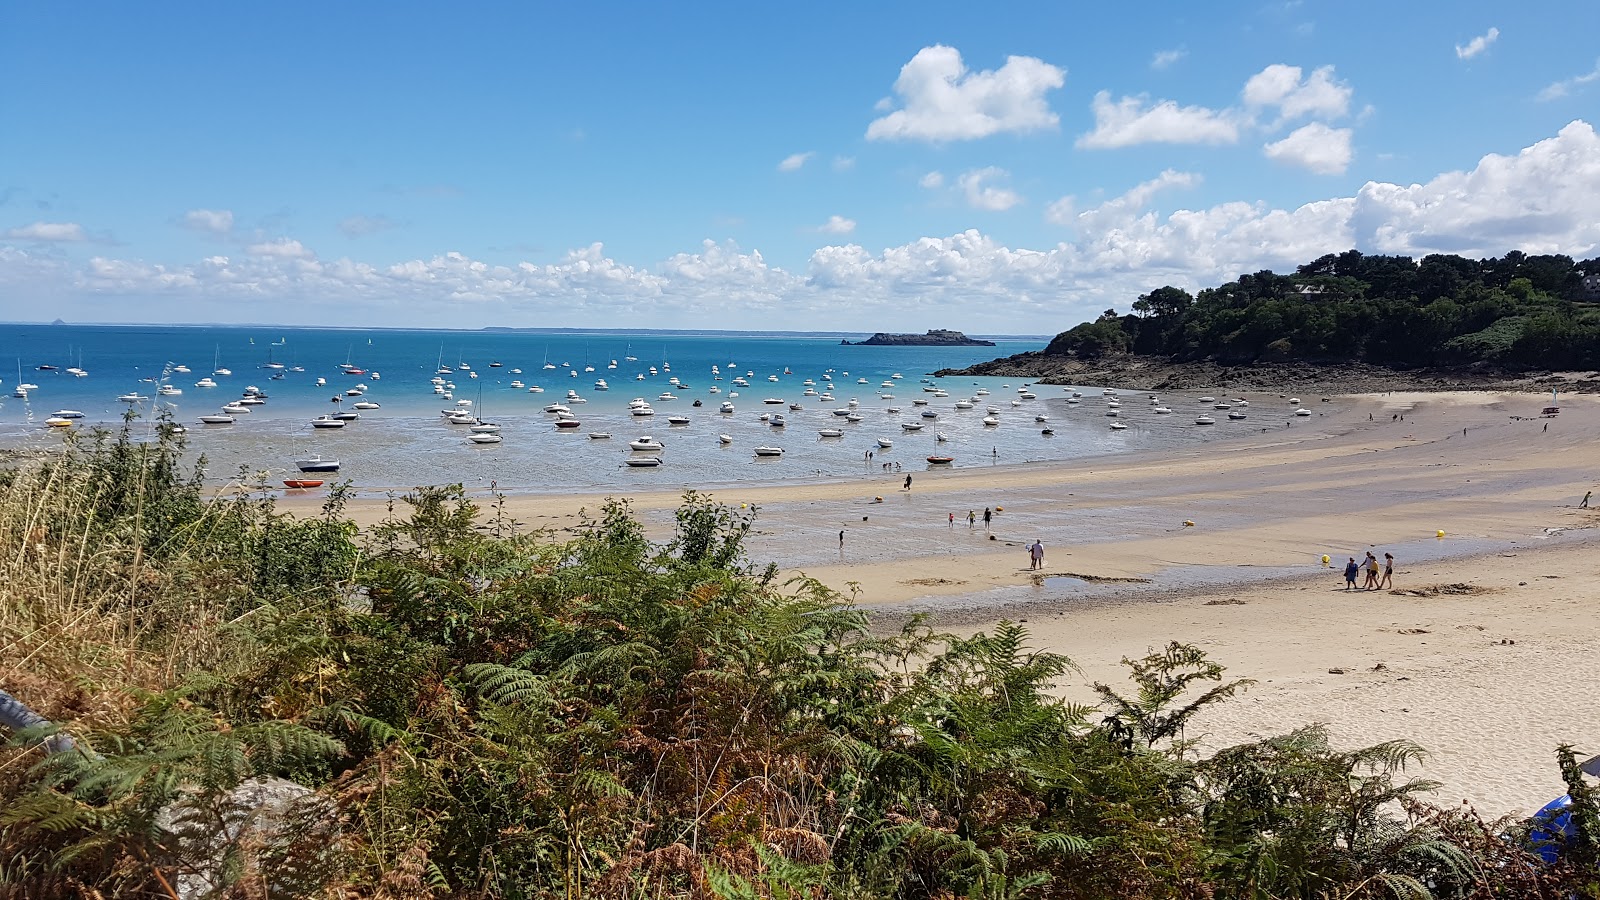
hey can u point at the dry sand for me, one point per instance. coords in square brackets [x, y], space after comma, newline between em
[1124, 574]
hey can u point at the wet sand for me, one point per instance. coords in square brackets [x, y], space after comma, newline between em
[1123, 573]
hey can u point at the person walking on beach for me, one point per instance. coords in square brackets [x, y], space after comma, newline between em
[1388, 571]
[1585, 503]
[841, 539]
[1036, 554]
[952, 520]
[1371, 564]
[908, 482]
[1350, 571]
[987, 515]
[972, 520]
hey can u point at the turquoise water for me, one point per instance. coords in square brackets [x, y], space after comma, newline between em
[406, 442]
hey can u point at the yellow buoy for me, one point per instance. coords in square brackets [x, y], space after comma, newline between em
[999, 509]
[1439, 533]
[1187, 523]
[1326, 559]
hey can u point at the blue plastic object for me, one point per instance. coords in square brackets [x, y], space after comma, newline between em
[1552, 828]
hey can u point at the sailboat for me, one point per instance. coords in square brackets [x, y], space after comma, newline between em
[274, 366]
[216, 364]
[627, 354]
[547, 363]
[481, 430]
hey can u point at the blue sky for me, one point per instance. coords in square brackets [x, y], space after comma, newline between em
[874, 166]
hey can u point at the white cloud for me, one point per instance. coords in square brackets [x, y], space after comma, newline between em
[1315, 148]
[932, 180]
[1063, 211]
[1564, 87]
[283, 248]
[1478, 44]
[794, 161]
[1120, 211]
[1281, 86]
[361, 226]
[943, 101]
[1539, 200]
[1165, 58]
[211, 221]
[981, 194]
[48, 232]
[837, 225]
[844, 163]
[1129, 121]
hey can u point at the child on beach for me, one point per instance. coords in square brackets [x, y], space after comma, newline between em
[1372, 573]
[1350, 571]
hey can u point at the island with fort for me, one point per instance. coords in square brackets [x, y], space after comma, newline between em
[936, 337]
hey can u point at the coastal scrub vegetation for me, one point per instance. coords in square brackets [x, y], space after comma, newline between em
[474, 710]
[1515, 312]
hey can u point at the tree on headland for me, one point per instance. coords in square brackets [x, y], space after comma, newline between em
[1516, 312]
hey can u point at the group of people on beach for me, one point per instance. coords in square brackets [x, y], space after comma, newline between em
[1374, 582]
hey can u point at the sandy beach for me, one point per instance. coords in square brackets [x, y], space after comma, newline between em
[1123, 572]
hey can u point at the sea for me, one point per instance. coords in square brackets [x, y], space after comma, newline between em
[407, 442]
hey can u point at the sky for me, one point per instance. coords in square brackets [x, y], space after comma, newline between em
[1012, 168]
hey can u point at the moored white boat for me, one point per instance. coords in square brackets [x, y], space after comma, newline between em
[769, 451]
[317, 464]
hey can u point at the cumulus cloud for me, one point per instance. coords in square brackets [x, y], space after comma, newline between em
[1315, 148]
[1478, 44]
[48, 232]
[941, 100]
[361, 226]
[282, 248]
[1282, 87]
[794, 161]
[1539, 200]
[209, 221]
[1566, 86]
[837, 225]
[1165, 58]
[1129, 121]
[982, 194]
[932, 181]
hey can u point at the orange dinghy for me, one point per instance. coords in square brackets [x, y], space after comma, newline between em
[302, 483]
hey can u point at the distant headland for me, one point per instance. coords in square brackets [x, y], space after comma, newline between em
[936, 337]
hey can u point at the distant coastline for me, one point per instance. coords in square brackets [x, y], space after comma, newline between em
[496, 329]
